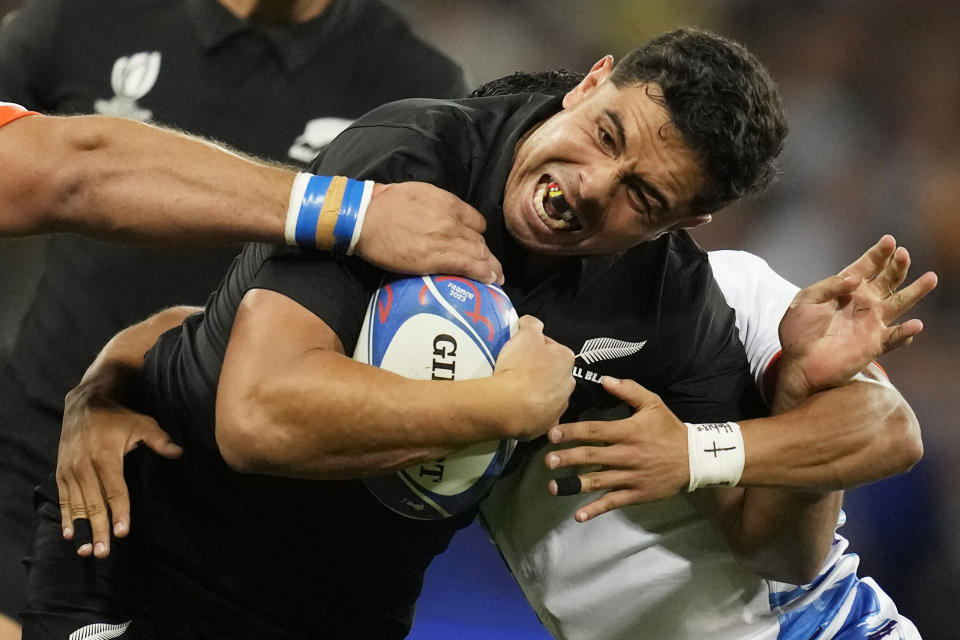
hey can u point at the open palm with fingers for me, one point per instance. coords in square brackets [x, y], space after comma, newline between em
[836, 327]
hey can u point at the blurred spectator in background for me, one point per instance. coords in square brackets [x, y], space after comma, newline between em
[275, 78]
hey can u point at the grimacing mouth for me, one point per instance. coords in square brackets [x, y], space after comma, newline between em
[553, 208]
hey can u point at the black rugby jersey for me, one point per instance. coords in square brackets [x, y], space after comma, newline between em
[300, 554]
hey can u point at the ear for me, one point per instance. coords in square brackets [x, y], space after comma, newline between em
[597, 76]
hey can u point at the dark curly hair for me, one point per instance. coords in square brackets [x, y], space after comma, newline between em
[553, 83]
[720, 99]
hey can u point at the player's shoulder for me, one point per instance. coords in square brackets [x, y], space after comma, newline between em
[449, 121]
[731, 260]
[744, 273]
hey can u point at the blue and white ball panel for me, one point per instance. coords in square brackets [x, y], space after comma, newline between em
[438, 328]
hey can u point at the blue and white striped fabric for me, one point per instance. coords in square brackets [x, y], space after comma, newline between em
[838, 605]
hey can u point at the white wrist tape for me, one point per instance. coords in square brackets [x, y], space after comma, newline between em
[293, 208]
[361, 214]
[327, 212]
[716, 454]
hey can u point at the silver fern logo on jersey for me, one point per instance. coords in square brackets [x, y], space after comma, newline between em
[100, 631]
[597, 350]
[132, 78]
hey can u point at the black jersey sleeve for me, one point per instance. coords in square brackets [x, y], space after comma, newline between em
[409, 140]
[27, 48]
[335, 291]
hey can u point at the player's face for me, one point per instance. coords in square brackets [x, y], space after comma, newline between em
[607, 172]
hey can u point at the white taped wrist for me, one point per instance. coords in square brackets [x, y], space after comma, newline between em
[293, 207]
[361, 214]
[326, 212]
[716, 454]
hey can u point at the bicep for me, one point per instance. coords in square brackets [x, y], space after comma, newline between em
[271, 335]
[270, 332]
[25, 182]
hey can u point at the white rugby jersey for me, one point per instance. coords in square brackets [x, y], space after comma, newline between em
[660, 571]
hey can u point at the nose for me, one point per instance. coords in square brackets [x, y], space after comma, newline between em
[598, 183]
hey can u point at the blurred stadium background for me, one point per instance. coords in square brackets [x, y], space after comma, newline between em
[872, 89]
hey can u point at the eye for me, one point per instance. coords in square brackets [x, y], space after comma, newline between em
[606, 140]
[639, 200]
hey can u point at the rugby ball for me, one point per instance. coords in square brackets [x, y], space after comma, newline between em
[441, 328]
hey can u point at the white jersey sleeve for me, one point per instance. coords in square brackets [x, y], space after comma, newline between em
[760, 297]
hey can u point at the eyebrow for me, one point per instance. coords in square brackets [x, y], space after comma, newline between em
[622, 142]
[618, 126]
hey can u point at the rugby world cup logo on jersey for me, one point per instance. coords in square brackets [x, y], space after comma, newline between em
[131, 79]
[597, 350]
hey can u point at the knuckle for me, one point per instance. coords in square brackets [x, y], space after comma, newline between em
[116, 495]
[77, 510]
[604, 505]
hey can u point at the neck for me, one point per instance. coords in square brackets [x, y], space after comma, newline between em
[276, 11]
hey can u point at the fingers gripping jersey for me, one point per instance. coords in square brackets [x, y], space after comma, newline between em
[660, 570]
[10, 112]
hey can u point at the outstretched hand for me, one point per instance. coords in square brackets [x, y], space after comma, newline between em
[836, 327]
[642, 458]
[417, 228]
[97, 433]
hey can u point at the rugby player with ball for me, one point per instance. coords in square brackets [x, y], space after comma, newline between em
[263, 527]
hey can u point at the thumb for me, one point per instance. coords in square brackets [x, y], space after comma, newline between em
[159, 440]
[530, 323]
[828, 289]
[635, 395]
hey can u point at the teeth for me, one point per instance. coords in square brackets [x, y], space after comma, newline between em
[567, 218]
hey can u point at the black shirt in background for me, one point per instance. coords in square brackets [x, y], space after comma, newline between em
[253, 87]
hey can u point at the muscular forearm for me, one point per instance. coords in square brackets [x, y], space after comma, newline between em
[366, 421]
[127, 181]
[836, 439]
[124, 181]
[299, 407]
[112, 374]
